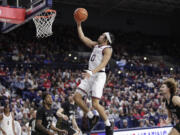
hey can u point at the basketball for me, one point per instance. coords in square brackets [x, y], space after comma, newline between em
[80, 14]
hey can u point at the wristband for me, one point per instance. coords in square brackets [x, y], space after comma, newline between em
[89, 72]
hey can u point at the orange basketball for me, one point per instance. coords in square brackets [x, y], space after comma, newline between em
[80, 14]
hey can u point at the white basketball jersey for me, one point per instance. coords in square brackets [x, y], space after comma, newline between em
[97, 56]
[6, 124]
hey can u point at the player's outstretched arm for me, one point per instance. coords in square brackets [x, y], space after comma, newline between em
[88, 42]
[107, 55]
[176, 101]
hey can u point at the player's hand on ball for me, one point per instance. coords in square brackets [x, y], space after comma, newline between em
[80, 15]
[77, 21]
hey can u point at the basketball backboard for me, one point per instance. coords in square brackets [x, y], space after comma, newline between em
[33, 8]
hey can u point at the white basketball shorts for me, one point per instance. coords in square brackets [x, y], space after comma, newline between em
[94, 84]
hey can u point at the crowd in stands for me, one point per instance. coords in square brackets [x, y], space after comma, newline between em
[29, 67]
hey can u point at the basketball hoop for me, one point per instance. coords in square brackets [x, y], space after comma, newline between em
[44, 23]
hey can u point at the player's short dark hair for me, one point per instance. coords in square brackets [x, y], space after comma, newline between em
[44, 95]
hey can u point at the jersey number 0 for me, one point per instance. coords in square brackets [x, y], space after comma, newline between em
[93, 57]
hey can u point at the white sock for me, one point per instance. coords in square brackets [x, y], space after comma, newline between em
[90, 115]
[107, 123]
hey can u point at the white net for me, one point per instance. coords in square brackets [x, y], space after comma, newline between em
[44, 23]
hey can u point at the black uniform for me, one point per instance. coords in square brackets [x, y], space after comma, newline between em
[69, 110]
[32, 124]
[47, 118]
[175, 111]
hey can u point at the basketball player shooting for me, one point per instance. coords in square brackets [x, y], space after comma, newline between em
[95, 76]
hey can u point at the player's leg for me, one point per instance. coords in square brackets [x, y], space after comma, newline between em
[109, 125]
[79, 101]
[99, 108]
[90, 115]
[82, 90]
[97, 91]
[174, 132]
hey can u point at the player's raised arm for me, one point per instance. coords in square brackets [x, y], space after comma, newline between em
[88, 42]
[80, 15]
